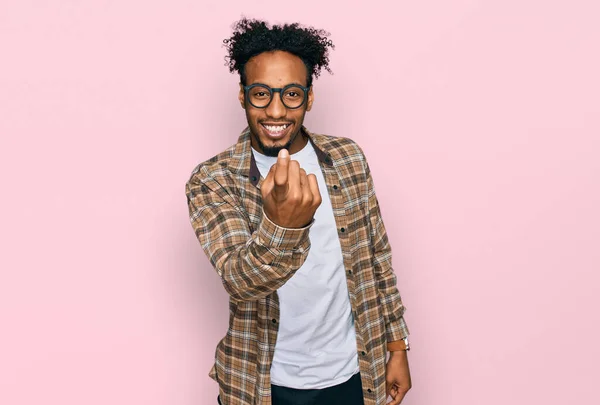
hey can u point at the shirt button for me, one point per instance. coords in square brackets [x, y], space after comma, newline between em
[335, 187]
[349, 271]
[274, 320]
[253, 178]
[369, 390]
[343, 230]
[363, 353]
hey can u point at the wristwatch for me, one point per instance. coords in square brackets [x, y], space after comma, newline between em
[398, 345]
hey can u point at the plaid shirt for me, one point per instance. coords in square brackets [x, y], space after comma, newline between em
[254, 257]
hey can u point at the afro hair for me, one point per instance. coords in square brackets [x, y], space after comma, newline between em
[252, 37]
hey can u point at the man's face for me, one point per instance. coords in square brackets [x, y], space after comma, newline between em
[276, 69]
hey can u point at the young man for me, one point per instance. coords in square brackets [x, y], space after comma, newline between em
[290, 221]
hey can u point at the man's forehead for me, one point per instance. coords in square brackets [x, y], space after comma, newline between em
[275, 69]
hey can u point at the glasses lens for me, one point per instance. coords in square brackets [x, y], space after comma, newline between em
[293, 97]
[259, 96]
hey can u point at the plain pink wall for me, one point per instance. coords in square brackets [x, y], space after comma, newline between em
[480, 120]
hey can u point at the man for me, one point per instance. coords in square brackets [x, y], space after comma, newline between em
[290, 221]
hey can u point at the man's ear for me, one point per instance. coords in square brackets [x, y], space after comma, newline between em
[241, 96]
[311, 98]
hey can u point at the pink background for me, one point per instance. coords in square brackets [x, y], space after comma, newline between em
[480, 120]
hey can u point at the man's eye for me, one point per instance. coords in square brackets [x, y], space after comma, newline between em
[260, 94]
[292, 94]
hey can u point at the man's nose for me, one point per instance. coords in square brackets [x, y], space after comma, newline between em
[276, 109]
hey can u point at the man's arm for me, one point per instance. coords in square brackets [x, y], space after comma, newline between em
[391, 302]
[251, 265]
[397, 373]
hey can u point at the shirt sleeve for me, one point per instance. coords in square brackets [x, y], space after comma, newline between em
[391, 302]
[251, 265]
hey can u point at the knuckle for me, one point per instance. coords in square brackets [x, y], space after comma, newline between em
[295, 196]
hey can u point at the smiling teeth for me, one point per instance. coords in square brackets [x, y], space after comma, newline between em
[276, 128]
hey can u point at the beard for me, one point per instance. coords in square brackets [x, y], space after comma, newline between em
[273, 151]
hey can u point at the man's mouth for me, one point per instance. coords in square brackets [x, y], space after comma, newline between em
[276, 131]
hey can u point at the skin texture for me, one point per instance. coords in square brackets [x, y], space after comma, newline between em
[290, 197]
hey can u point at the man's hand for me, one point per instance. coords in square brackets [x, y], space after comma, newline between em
[397, 376]
[290, 197]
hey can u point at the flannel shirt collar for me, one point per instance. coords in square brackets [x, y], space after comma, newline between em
[243, 161]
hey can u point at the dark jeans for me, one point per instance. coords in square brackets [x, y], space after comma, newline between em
[346, 393]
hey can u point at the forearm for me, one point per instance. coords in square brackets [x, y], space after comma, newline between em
[264, 263]
[391, 302]
[389, 296]
[250, 264]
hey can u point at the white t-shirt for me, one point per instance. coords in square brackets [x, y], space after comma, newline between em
[316, 342]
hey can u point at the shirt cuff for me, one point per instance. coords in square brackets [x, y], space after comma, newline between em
[397, 330]
[279, 237]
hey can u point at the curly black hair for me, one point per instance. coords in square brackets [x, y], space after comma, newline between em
[252, 37]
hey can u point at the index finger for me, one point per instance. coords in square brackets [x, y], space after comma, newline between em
[397, 398]
[268, 183]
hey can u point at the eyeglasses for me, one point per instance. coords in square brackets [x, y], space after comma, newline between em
[260, 95]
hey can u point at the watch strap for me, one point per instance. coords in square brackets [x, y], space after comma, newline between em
[398, 345]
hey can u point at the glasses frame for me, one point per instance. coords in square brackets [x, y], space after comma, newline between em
[274, 90]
